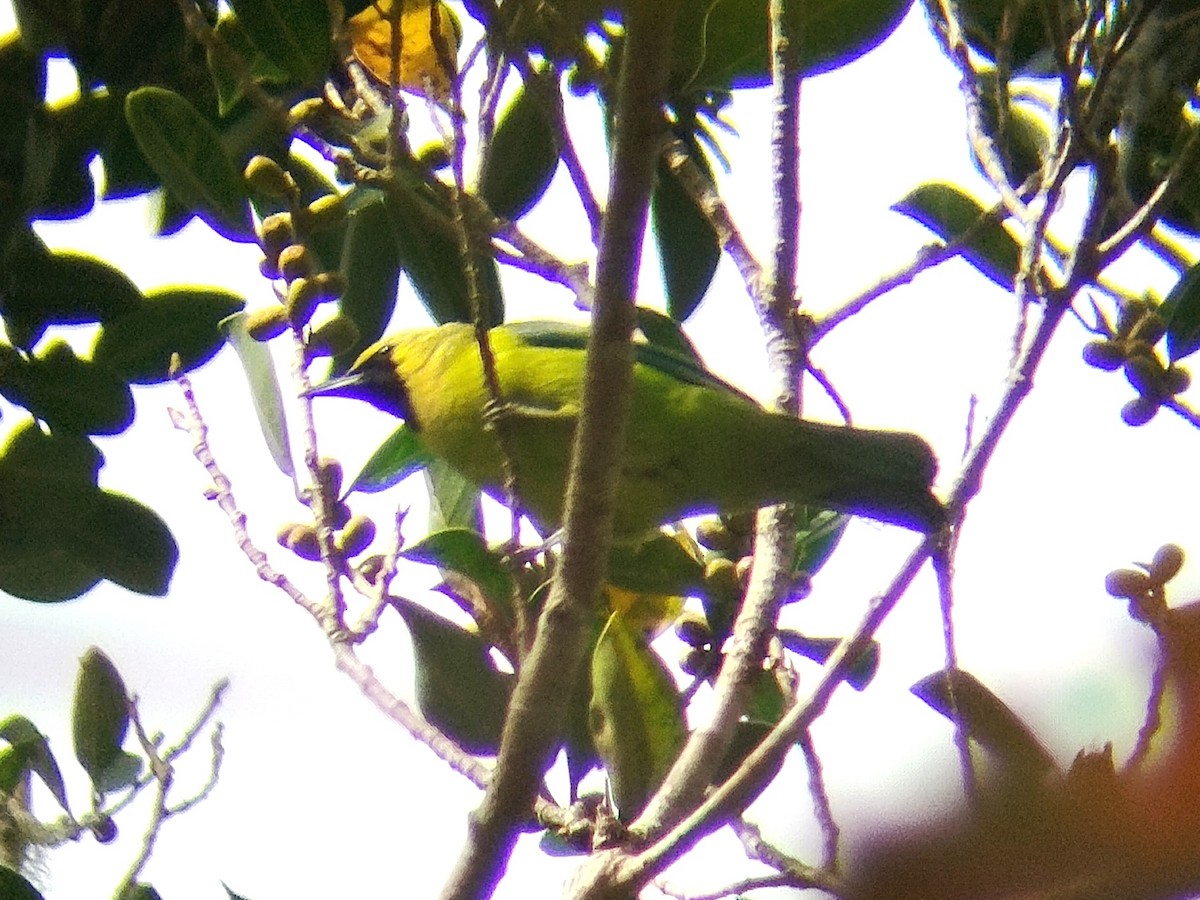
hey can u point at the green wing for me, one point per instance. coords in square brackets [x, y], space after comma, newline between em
[663, 346]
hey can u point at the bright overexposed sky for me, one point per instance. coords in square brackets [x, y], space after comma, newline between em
[320, 796]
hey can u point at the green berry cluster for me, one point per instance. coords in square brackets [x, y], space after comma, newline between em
[285, 256]
[1144, 587]
[1139, 328]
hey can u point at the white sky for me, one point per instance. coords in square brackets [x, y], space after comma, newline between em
[319, 796]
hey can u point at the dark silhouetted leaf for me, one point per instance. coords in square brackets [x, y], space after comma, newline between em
[521, 159]
[371, 265]
[100, 713]
[961, 697]
[950, 213]
[292, 34]
[66, 391]
[14, 886]
[226, 76]
[127, 543]
[725, 43]
[429, 253]
[41, 288]
[1181, 310]
[860, 672]
[138, 346]
[186, 152]
[687, 244]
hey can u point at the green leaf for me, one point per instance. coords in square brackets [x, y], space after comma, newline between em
[264, 390]
[429, 254]
[138, 346]
[14, 886]
[725, 43]
[32, 750]
[100, 713]
[226, 77]
[860, 672]
[187, 153]
[665, 333]
[464, 551]
[636, 715]
[658, 565]
[1181, 310]
[127, 543]
[140, 891]
[397, 457]
[121, 773]
[293, 34]
[950, 213]
[459, 689]
[817, 538]
[70, 393]
[453, 500]
[521, 159]
[687, 244]
[961, 697]
[371, 265]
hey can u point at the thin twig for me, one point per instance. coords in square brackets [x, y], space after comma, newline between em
[822, 808]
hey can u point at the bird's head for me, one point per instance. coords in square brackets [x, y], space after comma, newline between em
[374, 379]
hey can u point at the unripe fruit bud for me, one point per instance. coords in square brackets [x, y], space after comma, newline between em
[370, 567]
[295, 262]
[1103, 354]
[1167, 563]
[303, 295]
[333, 337]
[1139, 411]
[266, 323]
[326, 212]
[720, 577]
[1176, 380]
[284, 535]
[330, 473]
[341, 515]
[302, 540]
[275, 233]
[305, 110]
[357, 536]
[696, 662]
[267, 177]
[104, 830]
[330, 284]
[693, 630]
[712, 534]
[742, 570]
[1127, 583]
[1145, 373]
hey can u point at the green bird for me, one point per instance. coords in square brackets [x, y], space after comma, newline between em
[695, 444]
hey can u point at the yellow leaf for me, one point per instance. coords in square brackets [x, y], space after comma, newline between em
[648, 614]
[422, 65]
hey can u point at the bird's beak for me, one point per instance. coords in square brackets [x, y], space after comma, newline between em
[348, 385]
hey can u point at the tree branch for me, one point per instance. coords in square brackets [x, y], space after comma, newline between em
[538, 705]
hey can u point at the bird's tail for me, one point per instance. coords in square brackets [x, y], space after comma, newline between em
[884, 475]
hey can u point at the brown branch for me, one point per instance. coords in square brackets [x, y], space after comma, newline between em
[538, 705]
